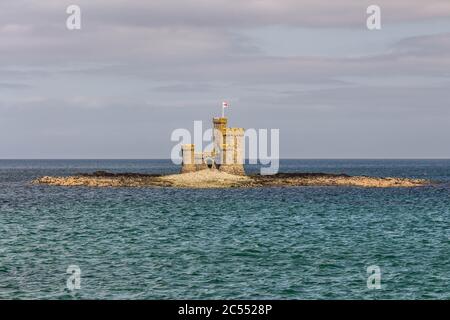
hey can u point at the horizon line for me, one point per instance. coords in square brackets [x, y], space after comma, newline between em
[289, 158]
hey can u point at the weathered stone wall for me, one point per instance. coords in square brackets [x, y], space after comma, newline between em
[233, 151]
[238, 145]
[220, 127]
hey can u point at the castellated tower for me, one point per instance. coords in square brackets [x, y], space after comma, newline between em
[227, 155]
[232, 151]
[220, 127]
[188, 165]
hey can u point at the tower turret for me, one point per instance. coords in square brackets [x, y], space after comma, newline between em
[187, 154]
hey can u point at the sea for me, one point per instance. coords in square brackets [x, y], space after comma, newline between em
[256, 243]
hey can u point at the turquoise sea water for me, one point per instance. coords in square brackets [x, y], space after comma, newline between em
[281, 243]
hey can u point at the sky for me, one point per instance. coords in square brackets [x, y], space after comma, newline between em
[137, 70]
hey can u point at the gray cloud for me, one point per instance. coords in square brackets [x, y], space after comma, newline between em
[139, 69]
[14, 86]
[226, 13]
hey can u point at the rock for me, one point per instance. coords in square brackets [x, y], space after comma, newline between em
[218, 179]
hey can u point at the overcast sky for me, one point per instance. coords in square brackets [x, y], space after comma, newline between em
[137, 70]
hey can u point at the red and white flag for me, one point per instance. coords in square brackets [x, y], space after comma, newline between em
[224, 104]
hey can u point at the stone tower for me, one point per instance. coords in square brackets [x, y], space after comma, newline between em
[233, 153]
[188, 164]
[227, 155]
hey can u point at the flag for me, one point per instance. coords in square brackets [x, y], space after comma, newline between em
[224, 104]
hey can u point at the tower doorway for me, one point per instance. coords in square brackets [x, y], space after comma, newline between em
[209, 163]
